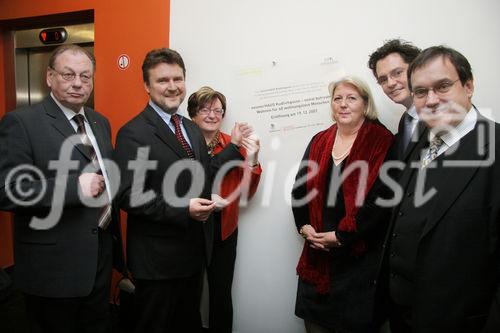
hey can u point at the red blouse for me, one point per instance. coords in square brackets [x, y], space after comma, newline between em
[241, 179]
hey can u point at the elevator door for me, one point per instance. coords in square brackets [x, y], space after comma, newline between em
[32, 58]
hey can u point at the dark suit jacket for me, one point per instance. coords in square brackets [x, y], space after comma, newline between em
[457, 268]
[5, 284]
[61, 261]
[163, 242]
[372, 218]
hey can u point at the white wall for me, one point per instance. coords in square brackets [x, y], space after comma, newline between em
[218, 36]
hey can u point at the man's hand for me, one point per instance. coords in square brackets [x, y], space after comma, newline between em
[200, 208]
[91, 184]
[240, 131]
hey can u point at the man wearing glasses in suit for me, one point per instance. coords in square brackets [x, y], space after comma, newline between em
[442, 250]
[52, 162]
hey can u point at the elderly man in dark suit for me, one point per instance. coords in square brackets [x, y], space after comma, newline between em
[53, 177]
[442, 251]
[166, 179]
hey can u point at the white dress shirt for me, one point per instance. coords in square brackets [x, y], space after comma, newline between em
[452, 137]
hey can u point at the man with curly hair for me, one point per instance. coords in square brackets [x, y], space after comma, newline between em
[389, 64]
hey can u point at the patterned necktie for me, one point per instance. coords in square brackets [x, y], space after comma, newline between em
[105, 216]
[432, 152]
[178, 133]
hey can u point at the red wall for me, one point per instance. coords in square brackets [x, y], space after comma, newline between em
[5, 226]
[130, 27]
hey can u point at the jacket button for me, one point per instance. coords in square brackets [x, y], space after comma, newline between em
[94, 231]
[400, 213]
[394, 235]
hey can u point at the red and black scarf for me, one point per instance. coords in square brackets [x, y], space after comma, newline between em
[371, 145]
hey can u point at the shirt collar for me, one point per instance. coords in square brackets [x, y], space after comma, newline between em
[466, 125]
[412, 111]
[164, 115]
[67, 111]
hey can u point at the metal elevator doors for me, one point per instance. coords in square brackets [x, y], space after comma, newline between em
[32, 58]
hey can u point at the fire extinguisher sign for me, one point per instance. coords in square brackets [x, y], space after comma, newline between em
[123, 61]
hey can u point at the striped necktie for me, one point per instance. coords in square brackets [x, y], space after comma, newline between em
[178, 133]
[432, 152]
[105, 216]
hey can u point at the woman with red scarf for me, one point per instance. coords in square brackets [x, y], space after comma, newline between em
[207, 109]
[337, 266]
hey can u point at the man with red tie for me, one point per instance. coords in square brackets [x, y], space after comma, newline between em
[166, 186]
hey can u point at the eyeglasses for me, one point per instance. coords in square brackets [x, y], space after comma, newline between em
[395, 74]
[70, 76]
[441, 87]
[206, 111]
[348, 99]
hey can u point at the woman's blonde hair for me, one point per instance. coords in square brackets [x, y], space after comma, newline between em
[363, 90]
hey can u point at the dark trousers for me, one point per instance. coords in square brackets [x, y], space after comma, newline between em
[220, 280]
[400, 318]
[168, 306]
[77, 314]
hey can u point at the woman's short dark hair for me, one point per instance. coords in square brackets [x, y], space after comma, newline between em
[161, 56]
[405, 49]
[203, 96]
[458, 60]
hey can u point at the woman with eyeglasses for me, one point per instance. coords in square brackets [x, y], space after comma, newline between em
[340, 165]
[207, 109]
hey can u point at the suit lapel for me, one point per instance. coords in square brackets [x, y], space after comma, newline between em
[452, 180]
[163, 132]
[413, 156]
[416, 137]
[400, 137]
[408, 172]
[59, 121]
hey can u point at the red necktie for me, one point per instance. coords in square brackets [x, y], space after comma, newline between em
[178, 133]
[105, 216]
